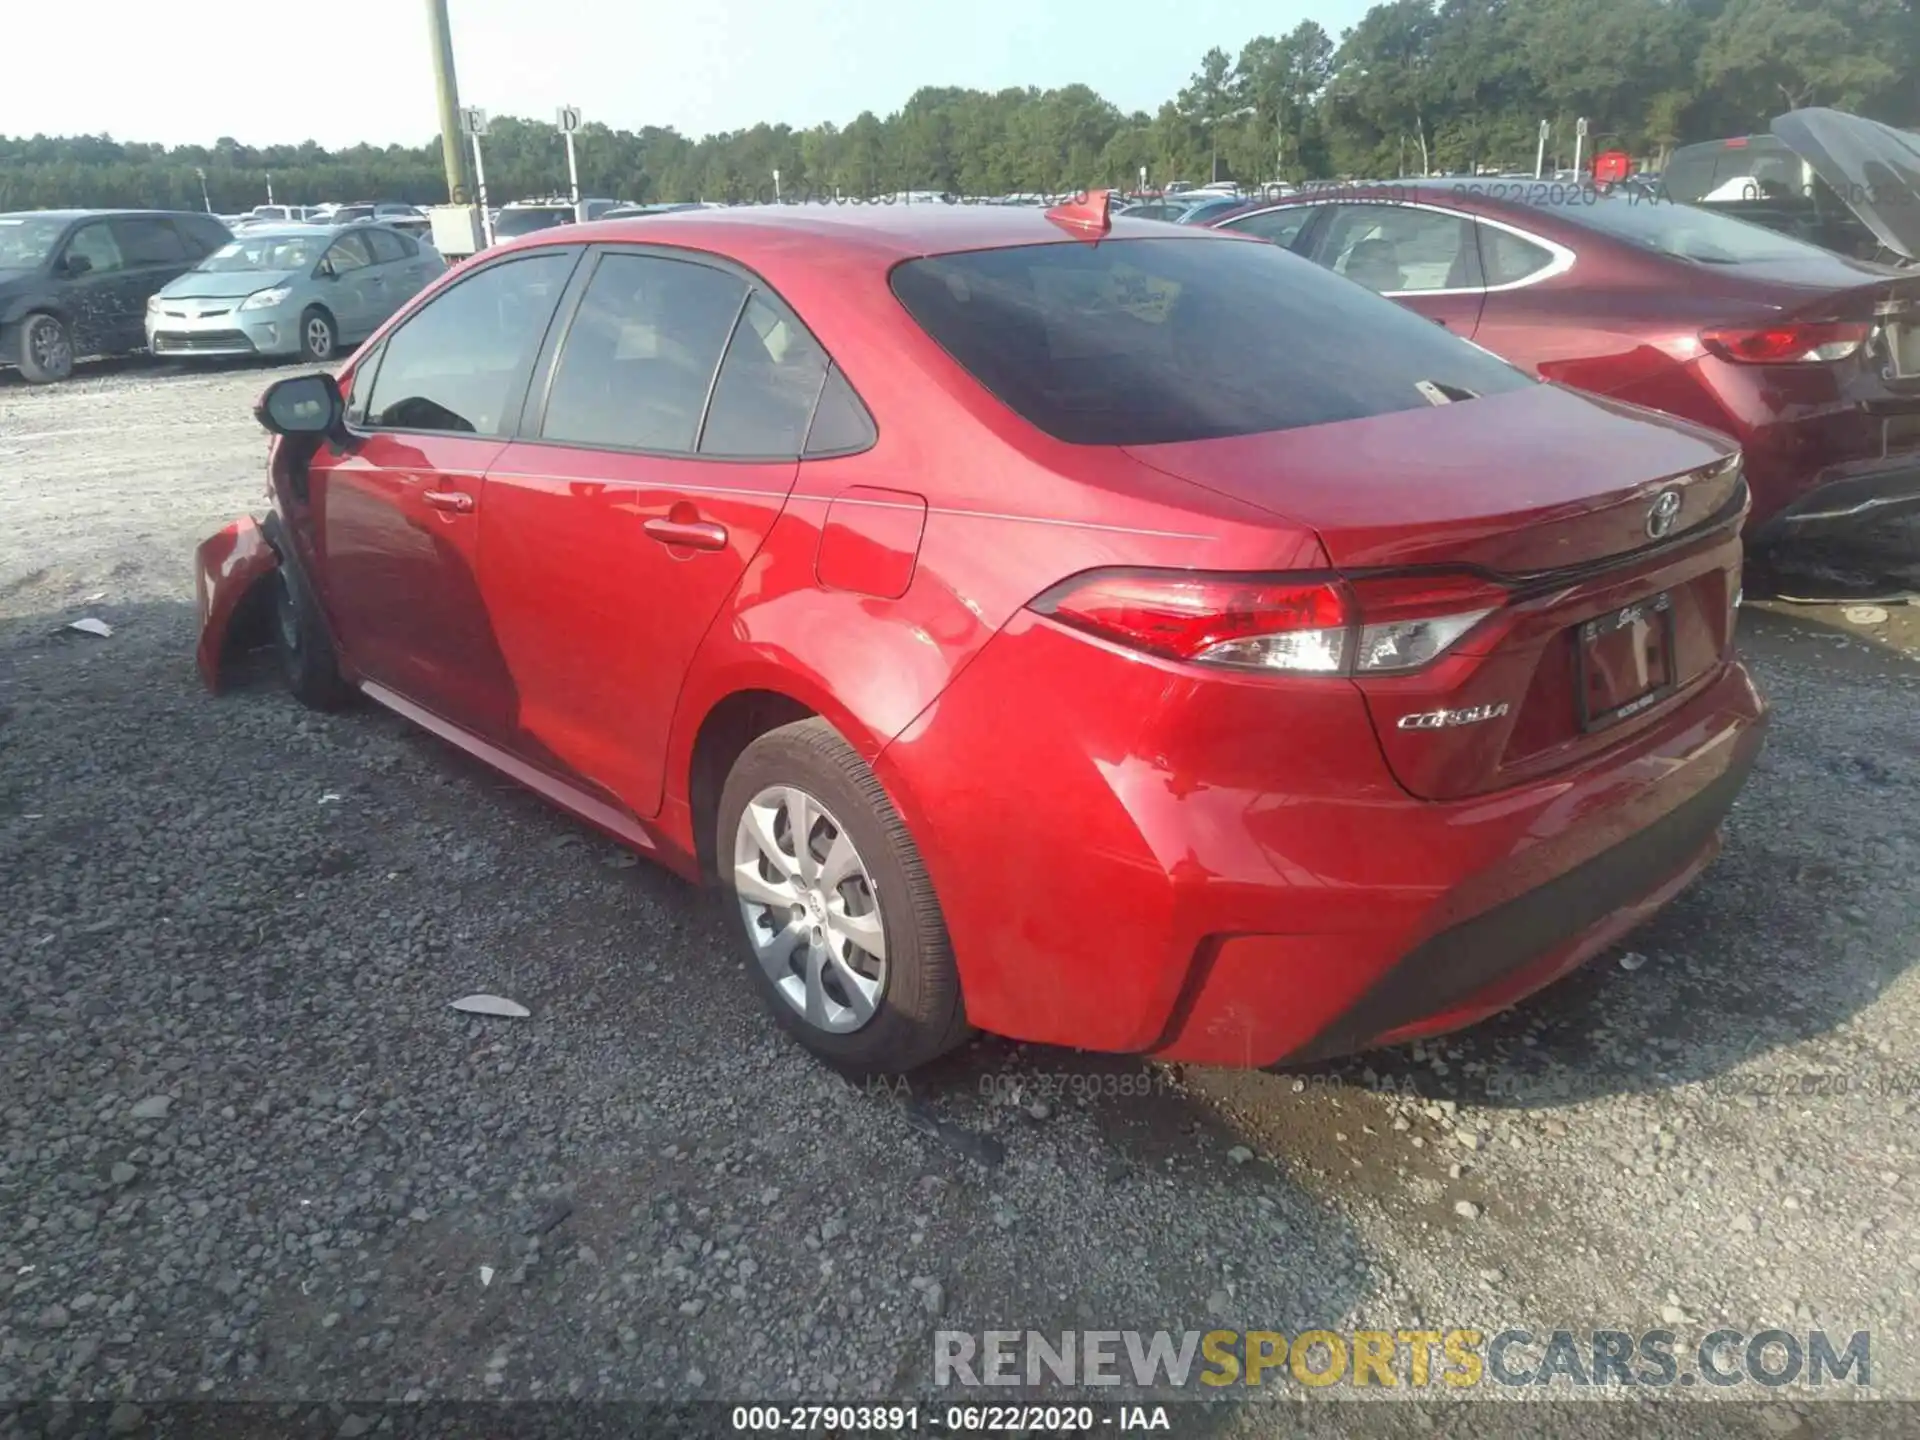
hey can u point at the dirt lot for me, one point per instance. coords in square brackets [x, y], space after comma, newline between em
[247, 1151]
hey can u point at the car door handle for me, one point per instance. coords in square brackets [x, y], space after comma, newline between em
[458, 501]
[695, 534]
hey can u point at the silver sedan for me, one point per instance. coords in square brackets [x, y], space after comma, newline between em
[291, 290]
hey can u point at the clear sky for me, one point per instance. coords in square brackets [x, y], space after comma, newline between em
[344, 71]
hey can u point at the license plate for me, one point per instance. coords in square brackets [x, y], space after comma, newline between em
[1626, 662]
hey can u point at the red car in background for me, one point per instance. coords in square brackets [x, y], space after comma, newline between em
[1809, 360]
[1017, 634]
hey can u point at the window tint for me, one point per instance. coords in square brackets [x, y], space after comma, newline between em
[841, 424]
[146, 241]
[1282, 226]
[1394, 249]
[349, 252]
[96, 243]
[1685, 232]
[1508, 258]
[388, 247]
[1141, 342]
[640, 354]
[767, 388]
[454, 364]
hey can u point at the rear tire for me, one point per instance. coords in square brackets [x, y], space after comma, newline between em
[319, 336]
[307, 660]
[45, 352]
[808, 927]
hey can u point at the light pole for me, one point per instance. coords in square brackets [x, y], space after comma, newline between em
[448, 94]
[776, 187]
[203, 189]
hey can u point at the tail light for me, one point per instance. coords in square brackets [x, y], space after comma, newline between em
[1319, 625]
[1787, 344]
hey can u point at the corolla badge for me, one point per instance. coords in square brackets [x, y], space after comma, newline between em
[1664, 514]
[1446, 719]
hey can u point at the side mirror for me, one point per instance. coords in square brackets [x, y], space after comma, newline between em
[302, 405]
[77, 265]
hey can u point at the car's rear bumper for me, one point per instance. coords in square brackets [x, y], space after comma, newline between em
[1843, 498]
[1224, 872]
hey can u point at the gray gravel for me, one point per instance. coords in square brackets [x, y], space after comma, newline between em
[248, 1152]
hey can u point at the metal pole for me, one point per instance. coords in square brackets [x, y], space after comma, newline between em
[480, 179]
[573, 178]
[449, 99]
[1540, 155]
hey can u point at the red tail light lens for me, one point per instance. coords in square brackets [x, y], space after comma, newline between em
[1297, 624]
[1790, 344]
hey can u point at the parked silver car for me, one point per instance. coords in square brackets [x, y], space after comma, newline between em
[293, 289]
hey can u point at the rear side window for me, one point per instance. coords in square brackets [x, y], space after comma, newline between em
[1509, 258]
[388, 247]
[147, 241]
[640, 355]
[1143, 342]
[204, 234]
[767, 388]
[841, 424]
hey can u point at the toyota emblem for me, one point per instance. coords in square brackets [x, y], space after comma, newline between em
[1664, 514]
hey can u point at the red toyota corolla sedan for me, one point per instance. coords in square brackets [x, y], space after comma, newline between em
[1138, 641]
[1809, 360]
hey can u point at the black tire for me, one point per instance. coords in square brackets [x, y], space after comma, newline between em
[920, 1014]
[319, 336]
[307, 661]
[45, 349]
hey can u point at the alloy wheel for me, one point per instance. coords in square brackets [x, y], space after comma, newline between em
[52, 351]
[319, 338]
[811, 909]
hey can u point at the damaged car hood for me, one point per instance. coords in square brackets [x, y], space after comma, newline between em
[1873, 168]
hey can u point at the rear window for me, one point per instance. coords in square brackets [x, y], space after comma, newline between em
[1147, 342]
[1694, 172]
[1685, 232]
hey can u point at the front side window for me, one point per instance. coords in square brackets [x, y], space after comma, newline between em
[95, 246]
[456, 364]
[640, 354]
[1151, 341]
[1397, 250]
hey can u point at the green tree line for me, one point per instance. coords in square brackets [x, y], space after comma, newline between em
[1417, 86]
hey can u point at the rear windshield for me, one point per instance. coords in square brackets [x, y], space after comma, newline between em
[1146, 342]
[1694, 172]
[1686, 232]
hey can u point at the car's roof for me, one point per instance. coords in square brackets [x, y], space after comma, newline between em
[305, 229]
[91, 214]
[886, 231]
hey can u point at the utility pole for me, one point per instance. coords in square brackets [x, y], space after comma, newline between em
[449, 99]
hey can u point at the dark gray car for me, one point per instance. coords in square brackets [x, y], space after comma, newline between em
[75, 283]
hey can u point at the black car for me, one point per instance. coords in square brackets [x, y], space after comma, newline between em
[75, 283]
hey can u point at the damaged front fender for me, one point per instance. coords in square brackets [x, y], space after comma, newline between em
[228, 569]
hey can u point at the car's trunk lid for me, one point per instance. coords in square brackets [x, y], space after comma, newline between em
[1873, 168]
[1616, 604]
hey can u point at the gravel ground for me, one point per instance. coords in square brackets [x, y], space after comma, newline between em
[248, 1152]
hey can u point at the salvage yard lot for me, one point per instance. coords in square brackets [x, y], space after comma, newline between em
[258, 916]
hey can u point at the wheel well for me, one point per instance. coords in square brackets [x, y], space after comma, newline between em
[732, 725]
